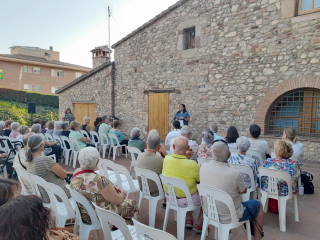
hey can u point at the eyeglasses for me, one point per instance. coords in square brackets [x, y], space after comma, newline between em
[220, 140]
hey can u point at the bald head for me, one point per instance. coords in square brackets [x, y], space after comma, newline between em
[181, 145]
[25, 138]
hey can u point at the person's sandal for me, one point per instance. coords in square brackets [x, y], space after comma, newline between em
[189, 224]
[198, 228]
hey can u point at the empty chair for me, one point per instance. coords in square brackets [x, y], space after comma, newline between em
[95, 139]
[212, 218]
[84, 133]
[155, 234]
[104, 143]
[124, 231]
[273, 176]
[132, 151]
[172, 203]
[145, 192]
[75, 152]
[116, 147]
[103, 166]
[257, 155]
[202, 160]
[85, 228]
[41, 188]
[27, 186]
[68, 148]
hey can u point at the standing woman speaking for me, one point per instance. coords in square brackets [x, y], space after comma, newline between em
[182, 114]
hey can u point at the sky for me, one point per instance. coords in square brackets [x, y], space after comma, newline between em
[72, 27]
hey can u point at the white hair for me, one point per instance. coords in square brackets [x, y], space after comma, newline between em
[88, 158]
[243, 144]
[57, 124]
[185, 130]
[86, 118]
[15, 125]
[2, 124]
[153, 132]
[220, 152]
[135, 132]
[153, 141]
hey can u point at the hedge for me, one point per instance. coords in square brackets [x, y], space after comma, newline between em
[25, 97]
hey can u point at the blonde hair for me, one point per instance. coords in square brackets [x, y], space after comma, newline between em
[50, 124]
[283, 149]
[73, 125]
[291, 134]
[22, 129]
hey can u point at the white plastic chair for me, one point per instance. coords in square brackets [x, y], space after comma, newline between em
[145, 174]
[132, 151]
[143, 230]
[85, 228]
[25, 179]
[67, 151]
[202, 160]
[95, 139]
[257, 155]
[104, 144]
[115, 148]
[84, 133]
[172, 203]
[48, 136]
[56, 137]
[124, 231]
[75, 153]
[247, 170]
[61, 210]
[212, 195]
[38, 183]
[103, 166]
[232, 150]
[273, 176]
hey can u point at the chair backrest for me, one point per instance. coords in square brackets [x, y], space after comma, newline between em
[133, 151]
[256, 155]
[25, 176]
[95, 137]
[66, 140]
[52, 190]
[73, 142]
[119, 169]
[247, 170]
[84, 133]
[53, 156]
[38, 182]
[145, 174]
[107, 217]
[79, 198]
[202, 160]
[56, 137]
[48, 136]
[103, 138]
[173, 183]
[273, 176]
[212, 195]
[232, 150]
[152, 233]
[111, 136]
[103, 166]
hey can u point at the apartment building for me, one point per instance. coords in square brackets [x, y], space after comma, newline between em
[36, 69]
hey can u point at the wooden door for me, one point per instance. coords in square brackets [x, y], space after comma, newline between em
[159, 113]
[84, 109]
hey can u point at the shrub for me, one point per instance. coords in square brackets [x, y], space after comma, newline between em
[25, 97]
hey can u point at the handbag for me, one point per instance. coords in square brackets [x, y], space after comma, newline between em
[306, 180]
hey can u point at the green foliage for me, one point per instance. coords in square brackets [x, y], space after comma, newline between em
[18, 112]
[25, 97]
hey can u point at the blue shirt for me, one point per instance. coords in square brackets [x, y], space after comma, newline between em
[184, 114]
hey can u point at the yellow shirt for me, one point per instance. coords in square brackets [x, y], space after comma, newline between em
[179, 166]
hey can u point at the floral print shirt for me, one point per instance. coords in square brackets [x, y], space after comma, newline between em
[14, 134]
[205, 151]
[287, 165]
[236, 158]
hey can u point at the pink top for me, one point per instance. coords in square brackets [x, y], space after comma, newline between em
[14, 134]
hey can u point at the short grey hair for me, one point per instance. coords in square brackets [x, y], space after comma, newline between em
[64, 125]
[86, 118]
[214, 128]
[26, 137]
[15, 125]
[57, 124]
[135, 132]
[1, 124]
[153, 141]
[36, 128]
[153, 132]
[208, 136]
[88, 158]
[185, 130]
[243, 144]
[220, 152]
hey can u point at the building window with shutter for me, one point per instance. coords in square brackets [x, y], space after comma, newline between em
[37, 88]
[25, 87]
[78, 74]
[25, 69]
[189, 36]
[36, 70]
[53, 73]
[308, 6]
[59, 73]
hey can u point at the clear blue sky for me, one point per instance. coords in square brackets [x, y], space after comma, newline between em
[72, 27]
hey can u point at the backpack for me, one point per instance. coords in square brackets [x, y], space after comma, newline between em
[306, 180]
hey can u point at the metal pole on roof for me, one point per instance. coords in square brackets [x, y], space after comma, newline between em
[109, 13]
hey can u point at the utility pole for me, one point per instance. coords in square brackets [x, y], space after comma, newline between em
[109, 14]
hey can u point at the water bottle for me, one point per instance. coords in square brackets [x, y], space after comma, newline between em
[301, 189]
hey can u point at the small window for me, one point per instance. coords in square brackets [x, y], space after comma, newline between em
[78, 74]
[308, 6]
[36, 70]
[59, 73]
[53, 73]
[36, 88]
[189, 38]
[53, 89]
[25, 69]
[25, 87]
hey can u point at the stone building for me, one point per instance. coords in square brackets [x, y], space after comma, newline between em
[231, 62]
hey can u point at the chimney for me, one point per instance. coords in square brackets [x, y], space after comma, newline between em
[100, 55]
[47, 56]
[51, 48]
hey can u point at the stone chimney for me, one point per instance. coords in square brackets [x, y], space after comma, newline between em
[100, 55]
[51, 48]
[47, 56]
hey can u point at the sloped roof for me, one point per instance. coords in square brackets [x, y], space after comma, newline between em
[153, 20]
[84, 77]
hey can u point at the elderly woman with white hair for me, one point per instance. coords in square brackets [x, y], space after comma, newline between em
[205, 149]
[85, 125]
[2, 125]
[98, 189]
[135, 141]
[57, 128]
[243, 144]
[14, 130]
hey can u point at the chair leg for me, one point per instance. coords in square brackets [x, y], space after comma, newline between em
[152, 211]
[181, 223]
[296, 208]
[75, 156]
[264, 201]
[259, 193]
[84, 233]
[166, 217]
[114, 153]
[204, 227]
[282, 214]
[109, 153]
[104, 149]
[140, 199]
[97, 234]
[248, 230]
[223, 233]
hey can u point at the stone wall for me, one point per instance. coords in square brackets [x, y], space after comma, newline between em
[244, 50]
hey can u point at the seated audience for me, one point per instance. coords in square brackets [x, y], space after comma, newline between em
[204, 150]
[135, 141]
[98, 189]
[7, 130]
[256, 144]
[23, 129]
[44, 166]
[240, 157]
[21, 163]
[97, 124]
[232, 136]
[75, 133]
[151, 161]
[31, 220]
[50, 125]
[57, 128]
[173, 134]
[105, 127]
[214, 129]
[162, 151]
[65, 129]
[2, 125]
[43, 126]
[283, 151]
[14, 130]
[290, 135]
[179, 166]
[85, 125]
[218, 174]
[121, 138]
[36, 120]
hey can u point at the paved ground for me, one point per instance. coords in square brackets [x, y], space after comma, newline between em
[309, 213]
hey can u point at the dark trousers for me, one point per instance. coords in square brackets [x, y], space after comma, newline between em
[56, 150]
[124, 142]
